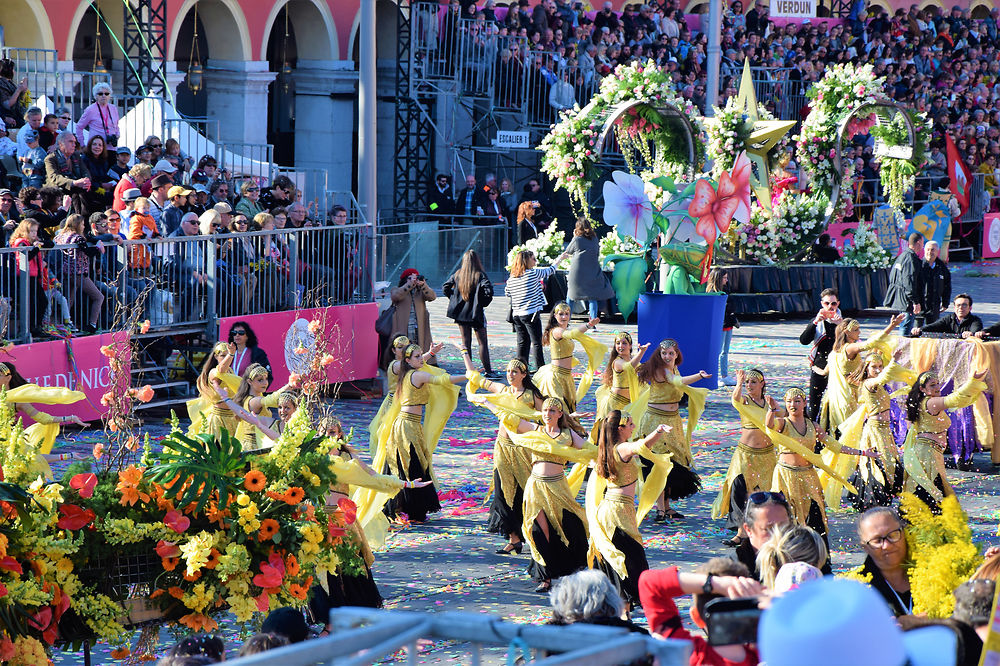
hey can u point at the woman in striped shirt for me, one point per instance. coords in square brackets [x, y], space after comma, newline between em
[527, 299]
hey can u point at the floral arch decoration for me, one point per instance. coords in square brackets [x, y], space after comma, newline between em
[655, 130]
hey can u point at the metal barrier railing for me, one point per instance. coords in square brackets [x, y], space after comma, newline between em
[435, 247]
[313, 184]
[248, 159]
[198, 135]
[183, 282]
[39, 65]
[869, 195]
[355, 215]
[367, 636]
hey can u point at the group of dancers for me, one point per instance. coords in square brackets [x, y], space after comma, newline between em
[637, 455]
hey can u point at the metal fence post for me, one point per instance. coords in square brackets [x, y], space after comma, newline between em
[211, 305]
[293, 251]
[24, 307]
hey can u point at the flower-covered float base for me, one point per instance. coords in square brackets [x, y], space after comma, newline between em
[182, 534]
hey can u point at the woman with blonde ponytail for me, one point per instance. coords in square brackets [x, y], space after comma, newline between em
[790, 543]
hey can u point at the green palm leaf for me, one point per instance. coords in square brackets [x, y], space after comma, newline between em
[628, 279]
[205, 466]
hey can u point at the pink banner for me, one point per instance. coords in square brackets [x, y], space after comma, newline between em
[991, 235]
[350, 329]
[50, 364]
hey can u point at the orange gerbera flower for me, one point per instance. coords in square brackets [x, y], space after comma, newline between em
[198, 622]
[294, 495]
[193, 577]
[254, 481]
[268, 528]
[292, 566]
[298, 591]
[170, 563]
[120, 653]
[175, 592]
[213, 559]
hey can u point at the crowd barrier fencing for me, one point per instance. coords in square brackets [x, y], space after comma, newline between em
[366, 636]
[185, 283]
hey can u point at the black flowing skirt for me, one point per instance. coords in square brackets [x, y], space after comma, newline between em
[872, 493]
[416, 503]
[635, 564]
[681, 482]
[561, 559]
[738, 497]
[345, 590]
[504, 519]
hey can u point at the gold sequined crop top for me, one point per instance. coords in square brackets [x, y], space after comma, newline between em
[618, 379]
[625, 473]
[664, 393]
[930, 423]
[560, 348]
[806, 439]
[746, 423]
[564, 438]
[393, 378]
[876, 401]
[411, 395]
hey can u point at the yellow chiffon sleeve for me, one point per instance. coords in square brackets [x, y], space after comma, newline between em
[595, 354]
[652, 488]
[696, 403]
[844, 465]
[965, 395]
[793, 446]
[442, 402]
[507, 402]
[44, 395]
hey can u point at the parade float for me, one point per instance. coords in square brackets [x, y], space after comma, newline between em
[180, 531]
[646, 147]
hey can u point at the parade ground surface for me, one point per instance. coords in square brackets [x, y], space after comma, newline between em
[449, 562]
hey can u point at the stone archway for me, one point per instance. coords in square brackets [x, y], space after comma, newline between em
[26, 25]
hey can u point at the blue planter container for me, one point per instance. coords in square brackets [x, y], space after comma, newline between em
[694, 321]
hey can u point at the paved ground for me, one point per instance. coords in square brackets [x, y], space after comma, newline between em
[450, 564]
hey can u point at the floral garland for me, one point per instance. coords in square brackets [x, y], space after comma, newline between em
[570, 148]
[844, 90]
[612, 244]
[546, 247]
[866, 252]
[792, 224]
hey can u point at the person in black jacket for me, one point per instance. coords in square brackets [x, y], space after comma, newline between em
[820, 334]
[248, 351]
[989, 332]
[469, 291]
[906, 285]
[439, 198]
[937, 283]
[961, 322]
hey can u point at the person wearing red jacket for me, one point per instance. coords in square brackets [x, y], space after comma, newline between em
[719, 577]
[136, 177]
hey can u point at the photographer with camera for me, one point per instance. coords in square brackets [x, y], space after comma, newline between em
[411, 317]
[719, 578]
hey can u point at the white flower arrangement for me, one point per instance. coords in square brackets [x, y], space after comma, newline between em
[793, 223]
[866, 252]
[612, 244]
[546, 247]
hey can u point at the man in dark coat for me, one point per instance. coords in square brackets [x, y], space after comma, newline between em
[64, 167]
[439, 198]
[819, 333]
[961, 322]
[937, 283]
[906, 285]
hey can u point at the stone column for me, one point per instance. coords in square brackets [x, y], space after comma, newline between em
[237, 98]
[325, 91]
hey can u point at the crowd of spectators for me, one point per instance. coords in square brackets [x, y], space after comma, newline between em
[550, 54]
[75, 196]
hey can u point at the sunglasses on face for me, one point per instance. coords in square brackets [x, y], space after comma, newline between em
[831, 302]
[65, 118]
[763, 497]
[103, 94]
[239, 331]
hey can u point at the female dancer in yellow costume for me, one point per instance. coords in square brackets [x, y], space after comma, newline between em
[841, 397]
[923, 451]
[877, 480]
[752, 465]
[511, 464]
[556, 378]
[250, 396]
[344, 589]
[399, 344]
[797, 440]
[555, 525]
[209, 412]
[666, 387]
[611, 512]
[406, 447]
[620, 383]
[19, 396]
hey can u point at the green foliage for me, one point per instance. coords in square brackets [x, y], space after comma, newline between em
[205, 467]
[628, 279]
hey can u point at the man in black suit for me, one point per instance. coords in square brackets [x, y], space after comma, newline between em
[820, 334]
[961, 322]
[937, 283]
[439, 198]
[906, 284]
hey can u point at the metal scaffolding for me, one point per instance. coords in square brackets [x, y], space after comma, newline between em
[145, 44]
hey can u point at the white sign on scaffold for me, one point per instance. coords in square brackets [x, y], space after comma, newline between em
[793, 8]
[509, 139]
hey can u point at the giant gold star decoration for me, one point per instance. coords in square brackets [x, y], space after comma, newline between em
[764, 136]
